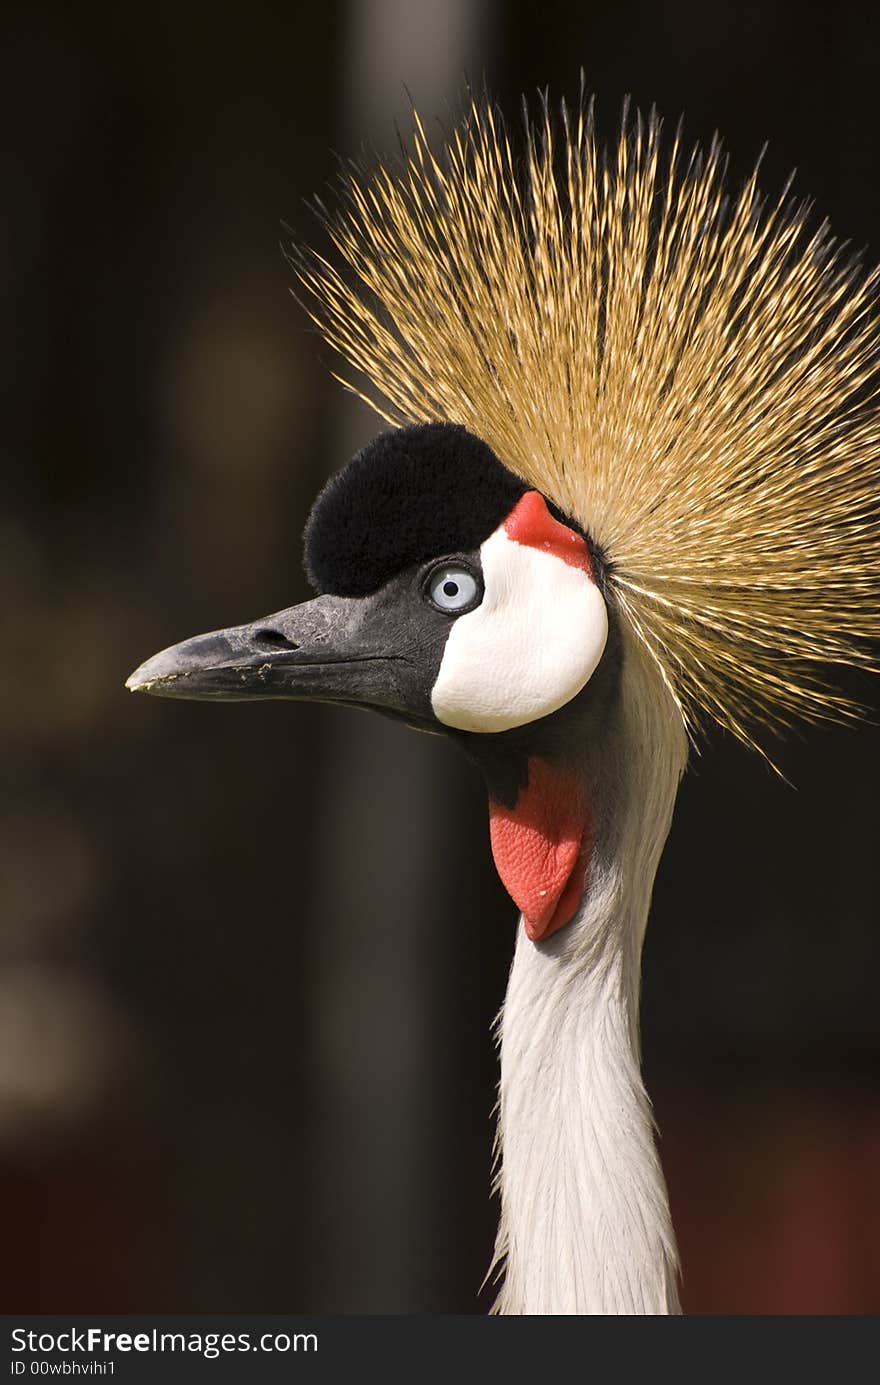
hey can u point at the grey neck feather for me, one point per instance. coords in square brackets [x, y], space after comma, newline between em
[585, 1225]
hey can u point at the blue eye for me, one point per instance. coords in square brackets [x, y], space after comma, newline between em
[453, 588]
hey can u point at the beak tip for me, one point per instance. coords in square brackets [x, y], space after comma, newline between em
[149, 677]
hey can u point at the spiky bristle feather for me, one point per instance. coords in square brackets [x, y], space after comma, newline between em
[690, 373]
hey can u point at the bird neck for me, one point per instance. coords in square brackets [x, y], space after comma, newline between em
[585, 1225]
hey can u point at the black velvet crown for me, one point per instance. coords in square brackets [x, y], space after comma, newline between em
[410, 495]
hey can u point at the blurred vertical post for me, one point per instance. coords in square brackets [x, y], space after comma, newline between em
[380, 904]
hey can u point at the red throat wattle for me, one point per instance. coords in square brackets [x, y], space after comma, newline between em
[542, 847]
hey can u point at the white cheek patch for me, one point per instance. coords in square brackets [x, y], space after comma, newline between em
[530, 646]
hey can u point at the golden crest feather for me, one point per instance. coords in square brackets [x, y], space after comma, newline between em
[690, 373]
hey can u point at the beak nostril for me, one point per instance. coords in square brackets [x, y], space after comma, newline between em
[273, 638]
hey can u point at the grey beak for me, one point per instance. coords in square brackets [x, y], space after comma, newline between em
[331, 649]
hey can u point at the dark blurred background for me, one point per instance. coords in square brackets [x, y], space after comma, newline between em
[244, 1036]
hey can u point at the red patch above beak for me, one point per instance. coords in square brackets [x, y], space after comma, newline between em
[542, 846]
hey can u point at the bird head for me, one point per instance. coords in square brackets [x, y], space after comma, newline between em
[654, 497]
[453, 597]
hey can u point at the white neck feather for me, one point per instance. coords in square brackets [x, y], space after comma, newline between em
[585, 1225]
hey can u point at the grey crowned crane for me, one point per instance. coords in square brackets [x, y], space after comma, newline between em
[629, 488]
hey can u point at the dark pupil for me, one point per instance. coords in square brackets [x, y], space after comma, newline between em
[450, 589]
